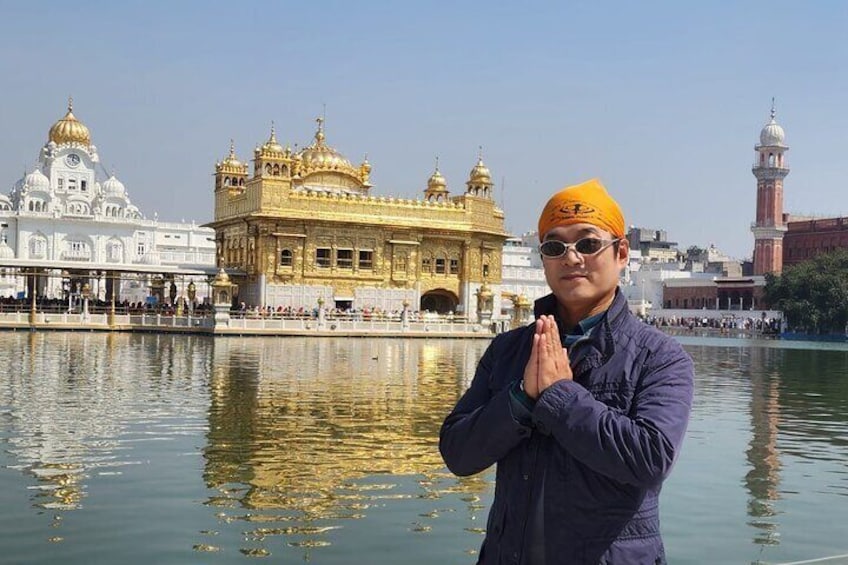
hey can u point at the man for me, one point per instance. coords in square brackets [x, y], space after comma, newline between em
[583, 411]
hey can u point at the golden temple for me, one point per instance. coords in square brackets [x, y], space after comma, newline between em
[304, 226]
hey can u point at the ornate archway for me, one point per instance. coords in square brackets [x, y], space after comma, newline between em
[439, 300]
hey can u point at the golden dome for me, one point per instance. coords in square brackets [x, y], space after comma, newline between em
[480, 173]
[321, 157]
[231, 163]
[437, 182]
[69, 129]
[222, 279]
[272, 146]
[231, 159]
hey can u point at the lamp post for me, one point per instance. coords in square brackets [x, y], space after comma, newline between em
[321, 313]
[404, 315]
[112, 303]
[86, 294]
[192, 295]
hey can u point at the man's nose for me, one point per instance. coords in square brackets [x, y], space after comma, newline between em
[572, 257]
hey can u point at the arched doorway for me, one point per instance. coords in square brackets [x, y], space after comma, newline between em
[439, 300]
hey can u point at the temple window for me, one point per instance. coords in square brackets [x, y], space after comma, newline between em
[485, 269]
[72, 184]
[286, 258]
[83, 186]
[454, 266]
[323, 257]
[344, 258]
[440, 266]
[426, 265]
[60, 183]
[366, 259]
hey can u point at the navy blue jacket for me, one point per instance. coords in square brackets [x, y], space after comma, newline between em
[585, 470]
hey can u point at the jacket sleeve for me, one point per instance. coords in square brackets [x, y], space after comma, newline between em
[481, 429]
[638, 447]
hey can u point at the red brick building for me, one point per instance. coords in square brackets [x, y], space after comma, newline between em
[804, 239]
[724, 293]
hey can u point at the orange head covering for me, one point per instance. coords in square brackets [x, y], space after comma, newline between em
[587, 203]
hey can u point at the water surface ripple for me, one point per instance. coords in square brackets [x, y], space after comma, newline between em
[187, 449]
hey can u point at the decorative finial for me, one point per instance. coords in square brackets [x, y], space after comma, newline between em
[772, 107]
[273, 132]
[70, 103]
[480, 153]
[232, 149]
[319, 135]
[437, 163]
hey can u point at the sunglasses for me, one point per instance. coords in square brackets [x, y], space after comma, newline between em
[554, 248]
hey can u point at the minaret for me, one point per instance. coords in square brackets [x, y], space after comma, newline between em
[770, 169]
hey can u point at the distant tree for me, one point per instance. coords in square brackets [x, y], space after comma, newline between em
[813, 295]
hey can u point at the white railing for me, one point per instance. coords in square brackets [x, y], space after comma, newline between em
[284, 325]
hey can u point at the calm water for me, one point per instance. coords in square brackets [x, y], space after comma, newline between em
[184, 450]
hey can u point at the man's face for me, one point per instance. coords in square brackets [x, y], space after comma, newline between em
[585, 283]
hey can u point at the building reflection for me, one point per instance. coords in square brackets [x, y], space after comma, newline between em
[308, 432]
[763, 454]
[797, 403]
[71, 398]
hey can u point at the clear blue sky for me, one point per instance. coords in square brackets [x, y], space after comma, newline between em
[663, 101]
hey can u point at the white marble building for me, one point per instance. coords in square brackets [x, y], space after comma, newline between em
[521, 271]
[69, 221]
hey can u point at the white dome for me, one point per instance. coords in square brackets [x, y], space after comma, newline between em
[772, 135]
[113, 187]
[36, 180]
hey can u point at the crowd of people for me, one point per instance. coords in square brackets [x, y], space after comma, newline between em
[767, 325]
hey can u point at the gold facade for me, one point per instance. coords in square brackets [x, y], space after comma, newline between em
[307, 219]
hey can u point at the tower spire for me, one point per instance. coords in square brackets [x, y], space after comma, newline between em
[772, 108]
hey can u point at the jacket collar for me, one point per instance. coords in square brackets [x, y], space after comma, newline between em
[600, 346]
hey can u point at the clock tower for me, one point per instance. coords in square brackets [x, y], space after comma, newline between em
[770, 169]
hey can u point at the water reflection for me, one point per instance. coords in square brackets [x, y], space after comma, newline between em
[296, 424]
[763, 454]
[295, 441]
[796, 403]
[68, 399]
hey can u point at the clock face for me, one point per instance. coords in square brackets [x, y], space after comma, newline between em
[72, 159]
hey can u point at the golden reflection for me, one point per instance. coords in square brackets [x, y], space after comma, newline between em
[306, 432]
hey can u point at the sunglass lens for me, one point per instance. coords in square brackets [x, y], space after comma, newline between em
[552, 248]
[588, 245]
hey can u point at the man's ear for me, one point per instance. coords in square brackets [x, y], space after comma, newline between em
[624, 250]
